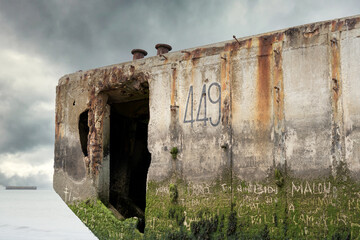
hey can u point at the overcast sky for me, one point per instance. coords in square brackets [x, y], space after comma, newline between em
[42, 40]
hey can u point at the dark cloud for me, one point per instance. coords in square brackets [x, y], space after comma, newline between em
[24, 125]
[88, 34]
[24, 131]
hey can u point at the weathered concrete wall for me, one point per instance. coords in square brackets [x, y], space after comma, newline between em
[266, 130]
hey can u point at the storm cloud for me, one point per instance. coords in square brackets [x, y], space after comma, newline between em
[82, 35]
[42, 40]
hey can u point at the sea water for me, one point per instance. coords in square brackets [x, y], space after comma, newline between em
[38, 214]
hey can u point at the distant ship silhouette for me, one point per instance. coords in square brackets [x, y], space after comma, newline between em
[20, 187]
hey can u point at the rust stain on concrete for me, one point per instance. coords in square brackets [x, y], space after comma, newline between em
[193, 58]
[263, 84]
[336, 25]
[310, 34]
[234, 46]
[335, 72]
[347, 24]
[173, 87]
[93, 145]
[193, 55]
[278, 91]
[337, 133]
[351, 23]
[237, 45]
[225, 87]
[249, 43]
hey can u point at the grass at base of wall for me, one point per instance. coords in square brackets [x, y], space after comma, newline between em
[102, 222]
[280, 207]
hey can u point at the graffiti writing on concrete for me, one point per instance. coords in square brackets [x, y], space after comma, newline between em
[310, 207]
[305, 207]
[257, 189]
[162, 190]
[199, 189]
[201, 116]
[69, 196]
[315, 188]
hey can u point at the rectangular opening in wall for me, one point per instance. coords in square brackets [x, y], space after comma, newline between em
[129, 158]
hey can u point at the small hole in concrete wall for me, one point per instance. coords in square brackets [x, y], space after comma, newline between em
[74, 103]
[84, 131]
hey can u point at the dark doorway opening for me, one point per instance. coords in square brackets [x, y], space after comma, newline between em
[129, 158]
[84, 131]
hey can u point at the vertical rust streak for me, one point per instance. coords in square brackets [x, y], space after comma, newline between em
[249, 43]
[175, 119]
[173, 107]
[226, 119]
[338, 138]
[173, 87]
[95, 121]
[92, 131]
[336, 25]
[335, 73]
[278, 92]
[194, 56]
[225, 87]
[279, 156]
[263, 82]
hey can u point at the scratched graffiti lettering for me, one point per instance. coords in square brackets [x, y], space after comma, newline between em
[354, 204]
[309, 205]
[69, 196]
[261, 219]
[155, 222]
[199, 189]
[257, 189]
[162, 190]
[308, 189]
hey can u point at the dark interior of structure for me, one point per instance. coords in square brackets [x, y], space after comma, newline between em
[84, 131]
[129, 158]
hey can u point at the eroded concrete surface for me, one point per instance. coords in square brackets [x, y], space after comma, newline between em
[266, 126]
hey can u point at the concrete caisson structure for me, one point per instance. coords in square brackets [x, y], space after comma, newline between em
[262, 131]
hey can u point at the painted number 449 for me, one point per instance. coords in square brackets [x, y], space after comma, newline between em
[202, 105]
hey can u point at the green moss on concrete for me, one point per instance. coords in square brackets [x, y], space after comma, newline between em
[174, 194]
[279, 179]
[174, 151]
[280, 207]
[175, 208]
[319, 208]
[101, 221]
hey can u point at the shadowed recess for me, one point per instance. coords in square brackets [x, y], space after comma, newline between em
[129, 158]
[84, 131]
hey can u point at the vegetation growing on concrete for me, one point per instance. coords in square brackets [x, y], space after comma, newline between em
[232, 224]
[174, 152]
[102, 222]
[279, 179]
[280, 207]
[174, 194]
